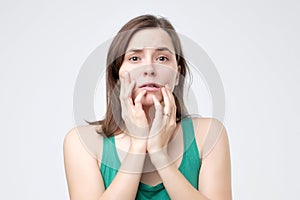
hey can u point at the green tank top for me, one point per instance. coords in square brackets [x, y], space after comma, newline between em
[189, 166]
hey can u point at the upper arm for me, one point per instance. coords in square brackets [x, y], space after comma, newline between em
[82, 171]
[215, 172]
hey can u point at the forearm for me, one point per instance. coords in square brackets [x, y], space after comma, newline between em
[175, 183]
[126, 182]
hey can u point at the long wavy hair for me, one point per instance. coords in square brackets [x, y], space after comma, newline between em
[113, 123]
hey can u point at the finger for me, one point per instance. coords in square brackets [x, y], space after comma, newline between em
[168, 114]
[125, 100]
[121, 87]
[170, 94]
[138, 99]
[126, 89]
[129, 93]
[122, 96]
[129, 86]
[158, 107]
[124, 79]
[158, 118]
[166, 99]
[172, 101]
[124, 82]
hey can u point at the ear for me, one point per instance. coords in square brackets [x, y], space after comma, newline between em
[178, 75]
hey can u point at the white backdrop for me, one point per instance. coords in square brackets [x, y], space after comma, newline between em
[254, 45]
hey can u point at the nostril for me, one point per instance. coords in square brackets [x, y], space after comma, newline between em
[149, 73]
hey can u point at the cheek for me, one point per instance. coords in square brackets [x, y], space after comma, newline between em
[134, 72]
[164, 75]
[168, 76]
[125, 67]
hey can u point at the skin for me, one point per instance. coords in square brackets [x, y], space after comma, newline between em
[148, 133]
[149, 57]
[149, 53]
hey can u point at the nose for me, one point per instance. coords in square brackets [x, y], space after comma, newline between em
[149, 70]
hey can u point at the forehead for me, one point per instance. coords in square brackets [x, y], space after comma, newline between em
[151, 38]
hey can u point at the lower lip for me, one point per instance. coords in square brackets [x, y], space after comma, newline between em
[151, 89]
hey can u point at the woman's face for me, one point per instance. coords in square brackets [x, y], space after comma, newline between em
[150, 60]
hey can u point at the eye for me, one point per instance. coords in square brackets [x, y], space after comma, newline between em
[134, 58]
[162, 58]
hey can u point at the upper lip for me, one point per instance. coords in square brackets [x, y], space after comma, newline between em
[151, 83]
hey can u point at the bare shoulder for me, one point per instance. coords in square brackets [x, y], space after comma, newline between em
[208, 132]
[215, 175]
[81, 155]
[85, 138]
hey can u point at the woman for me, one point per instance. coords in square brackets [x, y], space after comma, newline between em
[147, 147]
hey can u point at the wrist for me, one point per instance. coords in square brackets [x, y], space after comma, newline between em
[138, 147]
[133, 162]
[160, 159]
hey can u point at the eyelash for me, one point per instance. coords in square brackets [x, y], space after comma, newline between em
[165, 58]
[133, 57]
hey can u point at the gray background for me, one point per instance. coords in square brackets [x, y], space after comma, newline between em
[254, 45]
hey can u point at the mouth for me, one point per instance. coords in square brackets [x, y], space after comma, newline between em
[151, 87]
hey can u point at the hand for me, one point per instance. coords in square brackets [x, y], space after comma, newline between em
[164, 123]
[133, 114]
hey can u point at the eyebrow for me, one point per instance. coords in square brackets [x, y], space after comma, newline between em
[156, 49]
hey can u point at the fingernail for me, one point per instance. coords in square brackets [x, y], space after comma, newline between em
[167, 86]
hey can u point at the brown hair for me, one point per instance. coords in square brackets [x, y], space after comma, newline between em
[112, 123]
